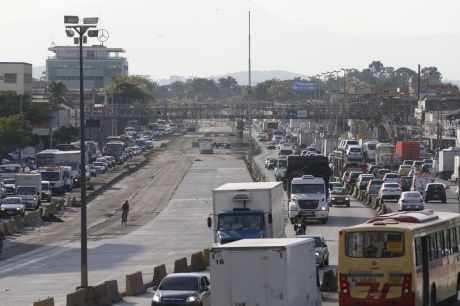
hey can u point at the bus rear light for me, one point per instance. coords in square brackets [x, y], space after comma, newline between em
[344, 285]
[407, 284]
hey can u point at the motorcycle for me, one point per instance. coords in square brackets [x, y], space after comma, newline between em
[300, 225]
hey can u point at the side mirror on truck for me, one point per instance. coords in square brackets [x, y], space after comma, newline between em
[270, 218]
[209, 222]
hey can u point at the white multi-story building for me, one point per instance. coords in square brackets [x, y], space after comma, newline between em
[16, 76]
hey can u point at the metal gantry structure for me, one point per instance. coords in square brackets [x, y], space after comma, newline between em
[260, 110]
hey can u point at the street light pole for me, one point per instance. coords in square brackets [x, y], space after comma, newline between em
[81, 30]
[249, 95]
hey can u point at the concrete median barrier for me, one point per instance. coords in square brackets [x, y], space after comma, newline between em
[112, 291]
[77, 298]
[36, 217]
[46, 302]
[159, 272]
[18, 222]
[10, 228]
[206, 257]
[355, 192]
[134, 284]
[180, 265]
[101, 295]
[197, 262]
[329, 283]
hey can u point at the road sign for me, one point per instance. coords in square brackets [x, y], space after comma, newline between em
[93, 123]
[292, 114]
[303, 86]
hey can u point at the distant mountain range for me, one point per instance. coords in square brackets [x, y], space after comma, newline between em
[241, 77]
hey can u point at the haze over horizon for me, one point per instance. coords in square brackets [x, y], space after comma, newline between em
[204, 38]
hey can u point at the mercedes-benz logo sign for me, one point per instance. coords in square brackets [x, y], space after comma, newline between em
[103, 35]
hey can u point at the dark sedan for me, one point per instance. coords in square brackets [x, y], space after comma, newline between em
[183, 289]
[339, 196]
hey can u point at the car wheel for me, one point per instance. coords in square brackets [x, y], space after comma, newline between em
[444, 201]
[348, 204]
[321, 265]
[324, 221]
[326, 262]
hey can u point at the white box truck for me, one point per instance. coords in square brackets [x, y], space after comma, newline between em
[247, 210]
[29, 188]
[265, 272]
[54, 175]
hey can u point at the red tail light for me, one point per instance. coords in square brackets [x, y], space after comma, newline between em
[344, 285]
[407, 285]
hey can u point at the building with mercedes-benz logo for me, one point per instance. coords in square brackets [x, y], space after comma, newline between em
[100, 64]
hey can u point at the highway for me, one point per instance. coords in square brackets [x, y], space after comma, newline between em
[171, 199]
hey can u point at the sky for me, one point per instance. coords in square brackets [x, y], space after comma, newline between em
[201, 38]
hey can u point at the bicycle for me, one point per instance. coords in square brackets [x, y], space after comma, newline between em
[124, 218]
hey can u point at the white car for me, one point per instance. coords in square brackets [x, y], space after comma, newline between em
[390, 191]
[391, 178]
[12, 206]
[410, 200]
[100, 167]
[363, 181]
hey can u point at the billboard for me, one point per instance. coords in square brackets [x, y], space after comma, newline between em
[303, 86]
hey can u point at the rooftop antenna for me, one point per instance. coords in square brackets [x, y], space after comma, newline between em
[52, 42]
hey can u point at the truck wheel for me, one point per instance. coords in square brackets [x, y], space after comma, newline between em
[324, 221]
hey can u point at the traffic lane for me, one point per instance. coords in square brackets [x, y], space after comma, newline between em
[38, 248]
[180, 228]
[451, 205]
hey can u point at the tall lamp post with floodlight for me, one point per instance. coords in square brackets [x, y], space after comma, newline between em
[88, 26]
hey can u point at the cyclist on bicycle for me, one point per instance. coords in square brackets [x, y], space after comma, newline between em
[125, 209]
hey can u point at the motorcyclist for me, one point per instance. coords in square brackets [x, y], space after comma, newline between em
[300, 225]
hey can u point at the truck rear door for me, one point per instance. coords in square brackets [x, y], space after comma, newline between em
[265, 285]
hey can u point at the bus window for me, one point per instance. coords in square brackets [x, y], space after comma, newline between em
[374, 244]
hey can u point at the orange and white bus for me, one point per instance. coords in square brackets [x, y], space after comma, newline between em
[404, 258]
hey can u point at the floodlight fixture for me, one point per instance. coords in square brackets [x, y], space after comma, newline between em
[85, 39]
[71, 19]
[93, 33]
[70, 33]
[76, 40]
[90, 20]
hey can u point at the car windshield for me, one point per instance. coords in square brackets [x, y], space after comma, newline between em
[391, 185]
[45, 186]
[8, 181]
[184, 283]
[286, 152]
[355, 150]
[435, 187]
[371, 146]
[99, 164]
[355, 174]
[25, 190]
[391, 175]
[50, 176]
[366, 178]
[241, 222]
[339, 191]
[374, 244]
[307, 188]
[376, 182]
[282, 163]
[11, 201]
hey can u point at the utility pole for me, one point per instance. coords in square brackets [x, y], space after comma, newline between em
[249, 95]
